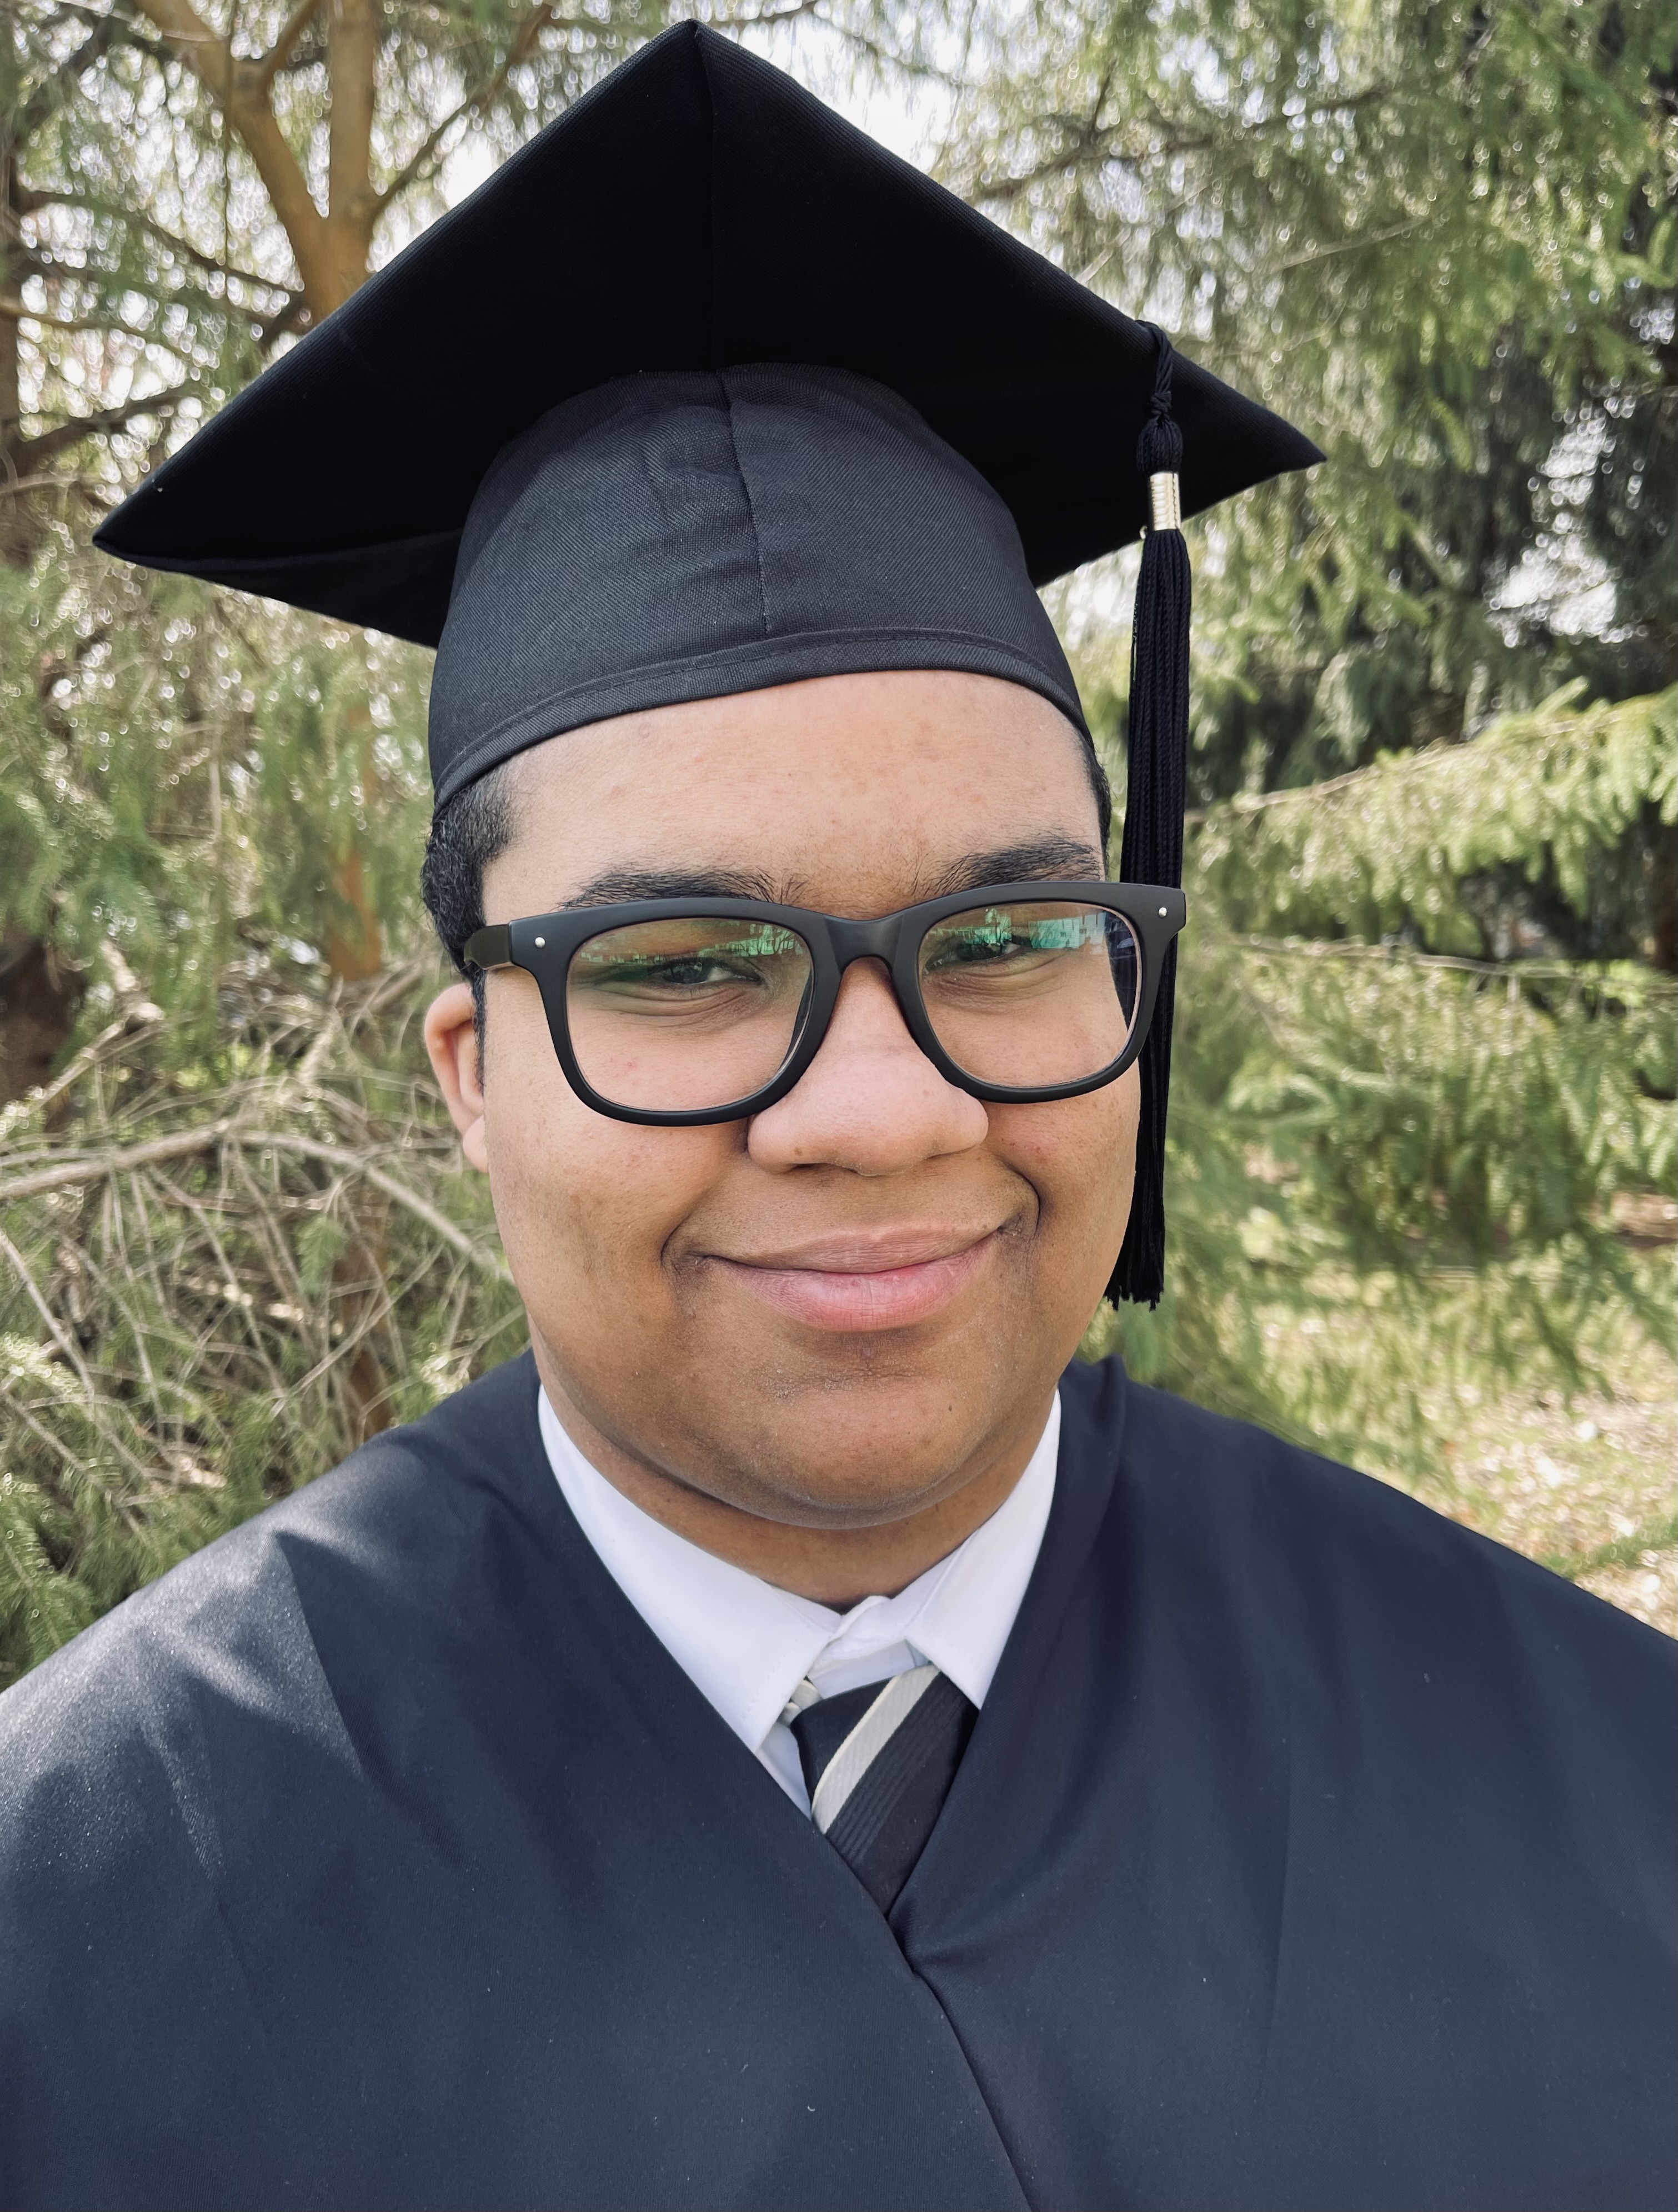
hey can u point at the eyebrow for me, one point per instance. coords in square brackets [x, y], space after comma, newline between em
[1050, 858]
[624, 886]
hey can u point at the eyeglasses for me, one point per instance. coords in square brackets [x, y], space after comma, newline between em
[689, 1011]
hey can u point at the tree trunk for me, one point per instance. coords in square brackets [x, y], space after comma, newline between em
[331, 249]
[354, 949]
[38, 998]
[352, 62]
[20, 529]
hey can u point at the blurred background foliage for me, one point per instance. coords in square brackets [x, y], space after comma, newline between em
[1422, 1168]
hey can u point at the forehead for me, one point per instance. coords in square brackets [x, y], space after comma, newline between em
[831, 789]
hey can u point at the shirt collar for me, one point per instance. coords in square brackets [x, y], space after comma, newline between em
[746, 1644]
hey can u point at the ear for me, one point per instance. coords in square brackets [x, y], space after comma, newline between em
[451, 1040]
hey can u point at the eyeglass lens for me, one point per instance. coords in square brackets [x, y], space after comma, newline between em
[1032, 995]
[686, 1012]
[692, 1013]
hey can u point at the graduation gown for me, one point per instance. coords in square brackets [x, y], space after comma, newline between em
[1309, 1851]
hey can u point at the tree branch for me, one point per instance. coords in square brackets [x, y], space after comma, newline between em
[99, 1168]
[190, 39]
[1090, 146]
[31, 1291]
[518, 50]
[239, 89]
[293, 316]
[209, 1135]
[50, 443]
[286, 44]
[1648, 988]
[352, 57]
[110, 208]
[1349, 246]
[15, 311]
[50, 94]
[358, 1163]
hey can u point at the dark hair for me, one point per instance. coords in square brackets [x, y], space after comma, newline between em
[1100, 787]
[467, 832]
[477, 825]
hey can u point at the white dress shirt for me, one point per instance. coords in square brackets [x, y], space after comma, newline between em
[746, 1644]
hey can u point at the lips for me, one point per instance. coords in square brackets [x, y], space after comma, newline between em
[840, 1284]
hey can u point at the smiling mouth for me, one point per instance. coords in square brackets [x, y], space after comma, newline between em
[849, 1294]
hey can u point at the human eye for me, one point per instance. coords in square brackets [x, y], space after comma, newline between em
[999, 940]
[686, 966]
[673, 972]
[1013, 948]
[971, 941]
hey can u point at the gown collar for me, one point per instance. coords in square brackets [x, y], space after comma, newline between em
[746, 1644]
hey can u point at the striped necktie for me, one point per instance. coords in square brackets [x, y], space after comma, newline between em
[877, 1763]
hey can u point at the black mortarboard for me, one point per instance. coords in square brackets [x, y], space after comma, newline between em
[704, 392]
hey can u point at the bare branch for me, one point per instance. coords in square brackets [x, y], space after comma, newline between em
[191, 40]
[239, 89]
[48, 443]
[293, 316]
[15, 487]
[286, 44]
[181, 1145]
[358, 1163]
[32, 1291]
[1089, 145]
[1646, 986]
[519, 50]
[209, 1135]
[756, 18]
[13, 311]
[885, 57]
[128, 1024]
[188, 251]
[50, 94]
[1350, 246]
[352, 60]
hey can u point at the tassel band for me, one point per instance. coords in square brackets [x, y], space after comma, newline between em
[1165, 495]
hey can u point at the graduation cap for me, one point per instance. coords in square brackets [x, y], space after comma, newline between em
[704, 392]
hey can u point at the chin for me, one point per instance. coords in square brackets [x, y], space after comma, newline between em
[858, 1448]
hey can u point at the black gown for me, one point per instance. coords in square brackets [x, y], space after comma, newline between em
[1309, 1851]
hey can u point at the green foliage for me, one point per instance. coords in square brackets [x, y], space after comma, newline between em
[1421, 1070]
[164, 266]
[184, 776]
[1442, 1146]
[235, 1268]
[1404, 846]
[1422, 1107]
[1443, 241]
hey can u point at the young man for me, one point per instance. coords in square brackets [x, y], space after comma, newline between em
[792, 1738]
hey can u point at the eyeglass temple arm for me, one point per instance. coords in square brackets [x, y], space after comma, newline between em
[492, 947]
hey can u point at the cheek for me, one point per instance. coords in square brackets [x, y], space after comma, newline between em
[1078, 1154]
[1079, 1157]
[581, 1200]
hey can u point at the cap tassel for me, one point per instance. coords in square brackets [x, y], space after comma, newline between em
[1156, 791]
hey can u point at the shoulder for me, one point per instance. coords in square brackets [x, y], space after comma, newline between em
[1347, 1575]
[234, 1624]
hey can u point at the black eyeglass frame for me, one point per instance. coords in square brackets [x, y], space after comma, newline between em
[544, 945]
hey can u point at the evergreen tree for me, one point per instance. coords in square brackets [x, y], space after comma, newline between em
[182, 191]
[1426, 1044]
[1422, 1110]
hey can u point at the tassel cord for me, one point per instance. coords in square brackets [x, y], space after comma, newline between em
[1157, 795]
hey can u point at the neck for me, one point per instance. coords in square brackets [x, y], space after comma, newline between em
[834, 1566]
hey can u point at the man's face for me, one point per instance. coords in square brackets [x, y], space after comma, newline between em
[837, 1313]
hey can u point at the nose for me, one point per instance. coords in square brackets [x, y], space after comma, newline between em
[870, 1100]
